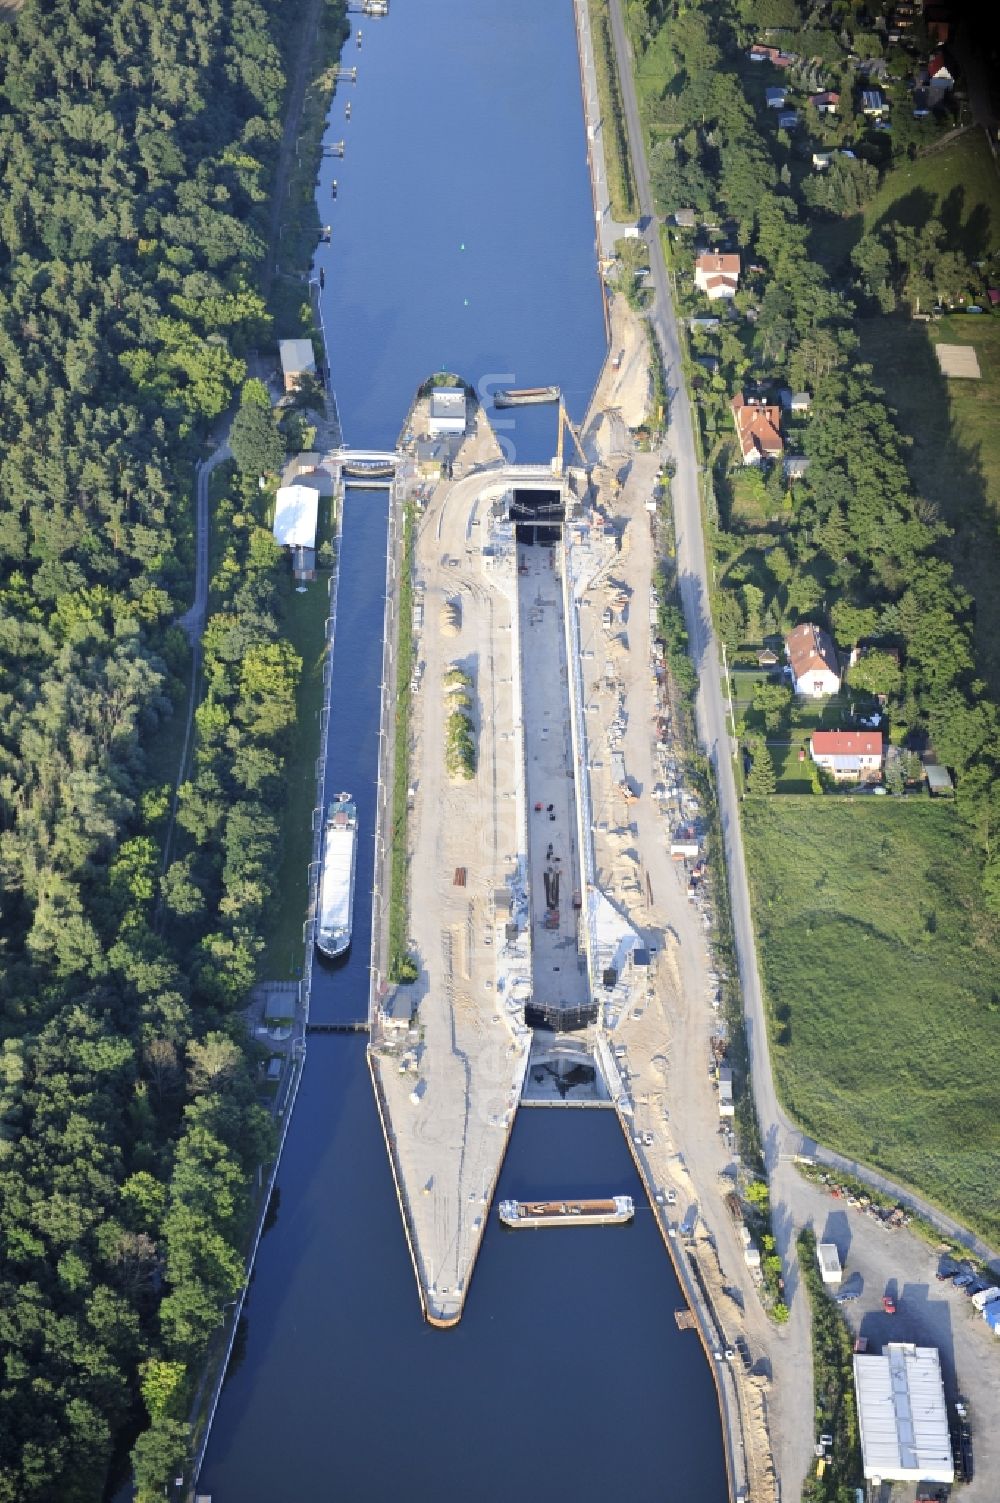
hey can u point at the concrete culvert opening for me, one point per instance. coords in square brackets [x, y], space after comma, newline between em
[538, 515]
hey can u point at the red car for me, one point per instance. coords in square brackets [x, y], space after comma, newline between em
[888, 1304]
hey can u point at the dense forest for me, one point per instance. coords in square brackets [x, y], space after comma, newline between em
[137, 140]
[849, 543]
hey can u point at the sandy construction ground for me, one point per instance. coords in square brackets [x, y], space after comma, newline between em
[661, 1021]
[451, 1081]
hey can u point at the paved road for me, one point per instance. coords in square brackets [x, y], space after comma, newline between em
[791, 1199]
[192, 623]
[304, 61]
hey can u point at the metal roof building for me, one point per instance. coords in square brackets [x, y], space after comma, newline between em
[902, 1415]
[297, 360]
[447, 410]
[296, 512]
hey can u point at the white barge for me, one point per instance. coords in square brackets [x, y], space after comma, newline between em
[336, 888]
[615, 1211]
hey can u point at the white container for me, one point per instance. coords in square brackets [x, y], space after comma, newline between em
[829, 1263]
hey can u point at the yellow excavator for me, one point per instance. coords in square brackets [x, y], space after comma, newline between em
[566, 426]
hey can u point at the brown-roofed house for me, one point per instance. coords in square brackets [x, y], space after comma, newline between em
[856, 755]
[813, 660]
[758, 428]
[717, 275]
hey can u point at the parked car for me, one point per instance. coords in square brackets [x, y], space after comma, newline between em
[888, 1304]
[963, 1280]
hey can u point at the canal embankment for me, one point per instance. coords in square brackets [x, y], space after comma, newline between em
[291, 1050]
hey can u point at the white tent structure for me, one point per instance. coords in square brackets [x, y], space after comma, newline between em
[296, 511]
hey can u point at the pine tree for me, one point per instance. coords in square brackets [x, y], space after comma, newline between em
[761, 781]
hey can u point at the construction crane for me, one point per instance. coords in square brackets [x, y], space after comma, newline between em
[564, 425]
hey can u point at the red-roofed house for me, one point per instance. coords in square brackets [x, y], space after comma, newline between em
[826, 103]
[758, 428]
[940, 79]
[854, 755]
[813, 660]
[717, 275]
[761, 54]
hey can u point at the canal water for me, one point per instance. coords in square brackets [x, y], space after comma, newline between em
[340, 987]
[463, 233]
[567, 1377]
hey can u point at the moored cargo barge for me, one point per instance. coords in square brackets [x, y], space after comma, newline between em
[525, 396]
[615, 1211]
[336, 892]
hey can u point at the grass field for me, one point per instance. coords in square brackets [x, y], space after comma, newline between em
[400, 964]
[304, 625]
[957, 184]
[882, 976]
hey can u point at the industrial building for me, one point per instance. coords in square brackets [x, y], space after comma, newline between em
[902, 1415]
[296, 512]
[447, 411]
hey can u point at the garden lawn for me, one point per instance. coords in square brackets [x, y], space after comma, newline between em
[881, 972]
[792, 775]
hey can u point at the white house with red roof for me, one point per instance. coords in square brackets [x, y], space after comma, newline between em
[758, 429]
[940, 79]
[848, 755]
[717, 275]
[812, 658]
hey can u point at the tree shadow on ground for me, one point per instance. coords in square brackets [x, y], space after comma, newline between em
[944, 471]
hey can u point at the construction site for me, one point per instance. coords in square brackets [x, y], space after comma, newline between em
[556, 937]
